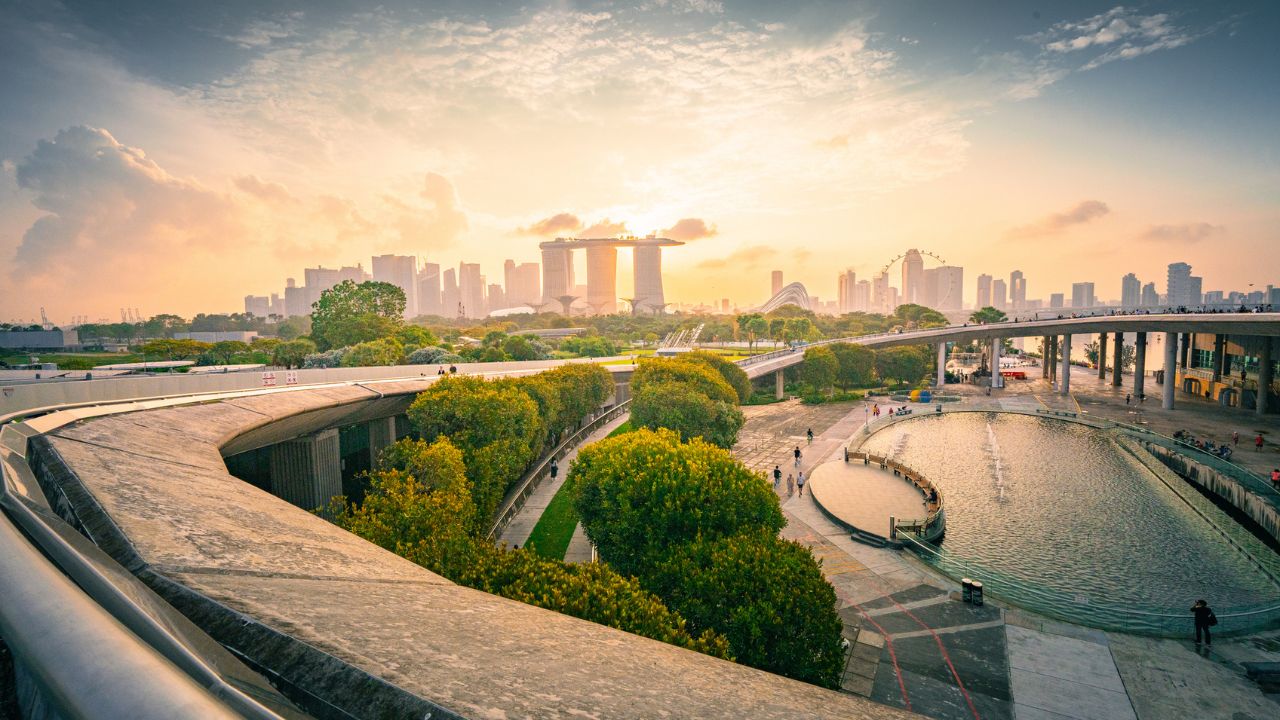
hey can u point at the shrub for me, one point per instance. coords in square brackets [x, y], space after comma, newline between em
[680, 407]
[382, 352]
[430, 355]
[326, 359]
[292, 353]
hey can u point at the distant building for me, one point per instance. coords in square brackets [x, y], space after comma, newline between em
[497, 298]
[948, 290]
[522, 283]
[1130, 291]
[845, 284]
[429, 301]
[471, 290]
[912, 277]
[1082, 295]
[1017, 290]
[1178, 284]
[984, 292]
[401, 271]
[257, 305]
[862, 296]
[449, 294]
[1194, 287]
[296, 300]
[1056, 301]
[39, 339]
[776, 283]
[999, 295]
[882, 296]
[1150, 298]
[1216, 297]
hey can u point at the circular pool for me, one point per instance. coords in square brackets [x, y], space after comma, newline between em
[1060, 518]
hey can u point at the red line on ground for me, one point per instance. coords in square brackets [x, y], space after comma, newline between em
[893, 657]
[946, 657]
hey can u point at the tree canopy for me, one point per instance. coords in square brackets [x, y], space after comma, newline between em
[904, 364]
[856, 364]
[732, 374]
[819, 369]
[350, 313]
[987, 315]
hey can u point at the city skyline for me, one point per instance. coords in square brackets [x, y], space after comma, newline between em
[996, 136]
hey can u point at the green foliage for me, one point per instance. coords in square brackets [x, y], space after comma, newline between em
[351, 313]
[766, 595]
[918, 316]
[432, 355]
[856, 364]
[382, 352]
[416, 336]
[174, 349]
[681, 407]
[816, 399]
[326, 359]
[643, 492]
[904, 364]
[703, 378]
[582, 388]
[224, 352]
[524, 347]
[732, 374]
[819, 368]
[987, 315]
[590, 346]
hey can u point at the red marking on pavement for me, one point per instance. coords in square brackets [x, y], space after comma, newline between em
[893, 657]
[946, 657]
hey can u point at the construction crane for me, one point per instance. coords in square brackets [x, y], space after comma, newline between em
[44, 319]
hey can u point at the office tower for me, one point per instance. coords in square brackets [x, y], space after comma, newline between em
[1215, 297]
[1150, 298]
[295, 299]
[1017, 290]
[521, 284]
[724, 305]
[497, 299]
[401, 271]
[449, 295]
[471, 290]
[927, 290]
[355, 274]
[1194, 284]
[882, 297]
[776, 286]
[948, 290]
[862, 296]
[1273, 296]
[1130, 291]
[1082, 295]
[1056, 301]
[429, 302]
[912, 277]
[257, 305]
[984, 292]
[846, 282]
[999, 298]
[1178, 285]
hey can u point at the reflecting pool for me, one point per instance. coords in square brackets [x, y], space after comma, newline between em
[1060, 518]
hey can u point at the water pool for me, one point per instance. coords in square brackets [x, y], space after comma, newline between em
[1059, 518]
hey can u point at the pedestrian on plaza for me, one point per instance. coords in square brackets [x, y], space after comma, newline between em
[809, 433]
[791, 484]
[1204, 619]
[453, 369]
[554, 468]
[876, 410]
[797, 454]
[1275, 478]
[777, 475]
[1128, 399]
[1257, 443]
[800, 483]
[1235, 437]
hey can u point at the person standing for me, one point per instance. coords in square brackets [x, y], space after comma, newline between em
[797, 454]
[1275, 478]
[791, 484]
[809, 434]
[1204, 619]
[777, 475]
[1257, 443]
[1128, 398]
[555, 469]
[800, 483]
[1235, 437]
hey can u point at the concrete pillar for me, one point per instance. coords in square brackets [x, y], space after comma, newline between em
[779, 385]
[1170, 368]
[382, 432]
[1139, 365]
[1045, 359]
[997, 380]
[1265, 361]
[1065, 384]
[307, 471]
[1219, 356]
[1117, 361]
[942, 365]
[1102, 356]
[1053, 360]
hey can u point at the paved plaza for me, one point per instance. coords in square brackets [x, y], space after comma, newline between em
[865, 496]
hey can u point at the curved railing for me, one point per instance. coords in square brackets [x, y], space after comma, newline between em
[934, 523]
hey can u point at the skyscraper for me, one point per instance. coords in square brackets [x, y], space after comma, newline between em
[984, 292]
[1082, 295]
[449, 294]
[471, 290]
[602, 279]
[401, 271]
[882, 298]
[845, 284]
[999, 297]
[1017, 290]
[862, 296]
[1178, 285]
[257, 305]
[927, 290]
[948, 289]
[1056, 301]
[912, 277]
[429, 302]
[521, 284]
[1150, 298]
[557, 271]
[776, 284]
[1130, 291]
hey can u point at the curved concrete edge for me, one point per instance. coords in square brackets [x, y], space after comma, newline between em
[340, 621]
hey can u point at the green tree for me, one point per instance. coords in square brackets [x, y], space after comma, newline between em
[382, 352]
[350, 313]
[291, 354]
[801, 328]
[582, 388]
[225, 351]
[679, 406]
[765, 594]
[918, 316]
[732, 374]
[987, 315]
[856, 364]
[904, 364]
[704, 379]
[641, 493]
[819, 369]
[522, 347]
[416, 336]
[174, 349]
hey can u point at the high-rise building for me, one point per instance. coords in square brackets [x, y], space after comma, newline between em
[984, 292]
[776, 284]
[257, 305]
[845, 284]
[1056, 301]
[1017, 290]
[1082, 295]
[1150, 298]
[927, 293]
[1178, 285]
[521, 284]
[882, 297]
[401, 271]
[471, 290]
[948, 290]
[429, 302]
[602, 279]
[1214, 297]
[647, 274]
[1130, 291]
[557, 272]
[999, 296]
[296, 302]
[497, 298]
[1194, 285]
[862, 296]
[912, 277]
[449, 294]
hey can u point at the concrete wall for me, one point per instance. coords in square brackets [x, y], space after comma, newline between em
[1224, 486]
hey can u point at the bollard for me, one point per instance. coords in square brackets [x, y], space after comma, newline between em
[966, 590]
[977, 594]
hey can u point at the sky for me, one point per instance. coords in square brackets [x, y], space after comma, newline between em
[175, 157]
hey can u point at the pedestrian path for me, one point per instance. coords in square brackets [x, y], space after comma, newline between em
[518, 529]
[579, 550]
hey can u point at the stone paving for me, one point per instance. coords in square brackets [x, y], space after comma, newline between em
[865, 496]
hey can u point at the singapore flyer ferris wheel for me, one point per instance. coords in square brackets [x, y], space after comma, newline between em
[915, 289]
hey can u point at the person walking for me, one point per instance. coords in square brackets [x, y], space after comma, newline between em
[800, 483]
[1275, 478]
[1204, 619]
[555, 469]
[1257, 443]
[1235, 437]
[777, 475]
[791, 484]
[797, 454]
[809, 433]
[1128, 398]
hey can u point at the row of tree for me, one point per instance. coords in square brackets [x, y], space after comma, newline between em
[848, 365]
[696, 395]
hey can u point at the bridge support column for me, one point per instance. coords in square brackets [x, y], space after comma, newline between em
[1185, 350]
[1219, 356]
[1117, 362]
[307, 471]
[1265, 361]
[382, 432]
[779, 385]
[942, 365]
[997, 380]
[1170, 369]
[1053, 359]
[1045, 359]
[1065, 385]
[1139, 365]
[1102, 356]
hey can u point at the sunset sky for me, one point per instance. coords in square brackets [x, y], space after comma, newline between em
[175, 157]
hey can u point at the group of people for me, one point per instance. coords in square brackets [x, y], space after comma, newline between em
[453, 370]
[793, 481]
[1222, 450]
[903, 410]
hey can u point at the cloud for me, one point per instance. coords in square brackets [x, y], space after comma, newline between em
[745, 259]
[1120, 33]
[264, 190]
[558, 223]
[1082, 213]
[687, 229]
[606, 228]
[1186, 233]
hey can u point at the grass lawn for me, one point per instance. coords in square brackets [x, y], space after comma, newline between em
[550, 537]
[72, 361]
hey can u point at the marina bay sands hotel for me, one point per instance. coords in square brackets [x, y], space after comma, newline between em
[602, 272]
